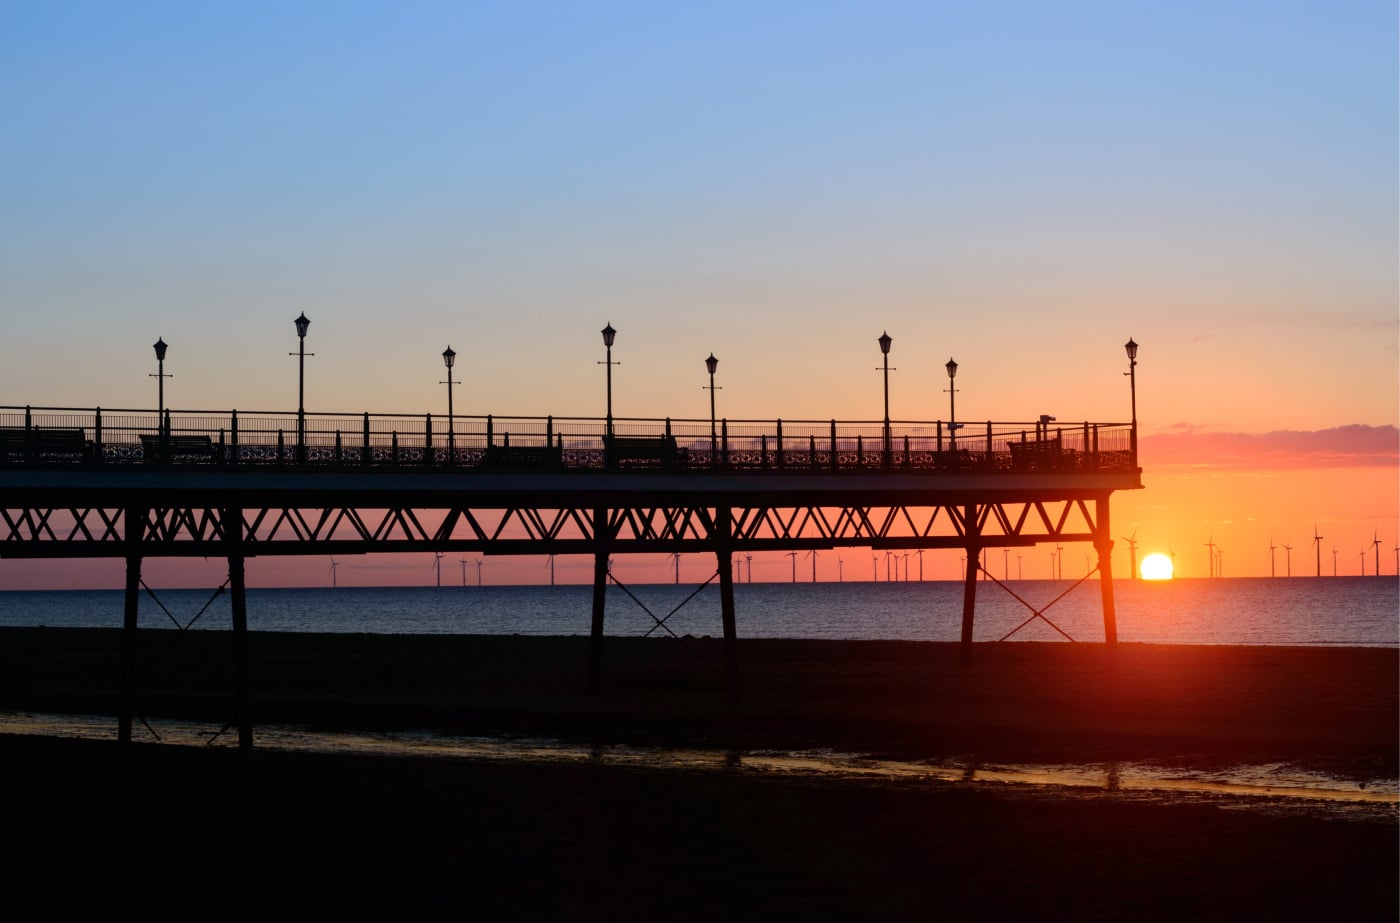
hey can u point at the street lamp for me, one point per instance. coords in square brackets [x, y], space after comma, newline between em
[302, 323]
[609, 334]
[952, 368]
[449, 358]
[1132, 349]
[885, 341]
[160, 377]
[711, 364]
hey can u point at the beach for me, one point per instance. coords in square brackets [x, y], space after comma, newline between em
[332, 834]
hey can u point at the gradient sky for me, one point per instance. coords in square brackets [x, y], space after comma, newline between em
[1020, 185]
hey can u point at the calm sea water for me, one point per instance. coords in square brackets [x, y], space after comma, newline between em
[1344, 611]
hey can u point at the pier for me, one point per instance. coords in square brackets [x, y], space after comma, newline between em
[133, 484]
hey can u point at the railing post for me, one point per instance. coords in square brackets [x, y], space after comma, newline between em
[281, 444]
[233, 437]
[366, 454]
[834, 459]
[812, 450]
[938, 447]
[1085, 448]
[906, 451]
[860, 450]
[394, 449]
[97, 437]
[165, 439]
[989, 445]
[339, 457]
[724, 440]
[779, 455]
[1096, 445]
[428, 439]
[763, 450]
[490, 431]
[549, 431]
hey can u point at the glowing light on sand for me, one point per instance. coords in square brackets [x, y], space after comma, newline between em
[1156, 567]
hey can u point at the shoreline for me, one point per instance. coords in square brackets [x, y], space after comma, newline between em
[297, 833]
[1333, 709]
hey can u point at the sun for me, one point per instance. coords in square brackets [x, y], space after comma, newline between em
[1156, 567]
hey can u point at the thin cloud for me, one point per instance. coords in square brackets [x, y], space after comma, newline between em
[1352, 446]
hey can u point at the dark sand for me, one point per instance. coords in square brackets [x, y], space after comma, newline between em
[171, 830]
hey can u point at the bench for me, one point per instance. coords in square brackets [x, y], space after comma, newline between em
[44, 442]
[646, 451]
[184, 447]
[1036, 453]
[524, 456]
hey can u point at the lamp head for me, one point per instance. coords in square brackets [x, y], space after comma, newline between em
[711, 363]
[609, 334]
[1131, 348]
[885, 341]
[160, 347]
[952, 368]
[448, 357]
[302, 323]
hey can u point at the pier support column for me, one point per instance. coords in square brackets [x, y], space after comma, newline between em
[969, 603]
[238, 598]
[974, 551]
[135, 520]
[724, 557]
[1103, 543]
[600, 597]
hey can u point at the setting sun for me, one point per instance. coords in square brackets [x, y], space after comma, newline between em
[1156, 567]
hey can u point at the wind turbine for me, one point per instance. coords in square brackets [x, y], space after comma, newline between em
[334, 565]
[478, 571]
[463, 562]
[1219, 562]
[1132, 550]
[1376, 541]
[1397, 560]
[920, 553]
[906, 566]
[813, 555]
[793, 555]
[1272, 547]
[1288, 558]
[437, 566]
[874, 568]
[1211, 545]
[550, 564]
[1334, 560]
[748, 558]
[676, 557]
[1060, 561]
[1317, 544]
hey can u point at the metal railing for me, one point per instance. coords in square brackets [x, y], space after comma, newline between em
[52, 436]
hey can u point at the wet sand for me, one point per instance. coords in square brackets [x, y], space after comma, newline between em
[282, 833]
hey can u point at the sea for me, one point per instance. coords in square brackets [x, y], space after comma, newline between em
[1312, 611]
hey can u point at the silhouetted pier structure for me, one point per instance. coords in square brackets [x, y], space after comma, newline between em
[101, 483]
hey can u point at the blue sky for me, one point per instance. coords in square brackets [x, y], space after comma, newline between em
[1020, 185]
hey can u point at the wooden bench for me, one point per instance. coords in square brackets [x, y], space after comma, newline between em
[524, 456]
[1036, 453]
[44, 442]
[184, 447]
[645, 451]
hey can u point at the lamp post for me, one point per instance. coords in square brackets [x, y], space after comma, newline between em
[885, 341]
[952, 368]
[302, 323]
[710, 365]
[609, 334]
[1132, 349]
[160, 347]
[449, 358]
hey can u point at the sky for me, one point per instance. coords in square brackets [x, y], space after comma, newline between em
[1022, 186]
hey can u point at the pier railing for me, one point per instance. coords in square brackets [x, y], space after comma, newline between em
[51, 436]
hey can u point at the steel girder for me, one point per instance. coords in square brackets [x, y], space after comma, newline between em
[100, 531]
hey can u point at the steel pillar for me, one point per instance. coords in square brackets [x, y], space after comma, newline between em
[135, 519]
[724, 556]
[600, 598]
[1103, 543]
[238, 597]
[974, 551]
